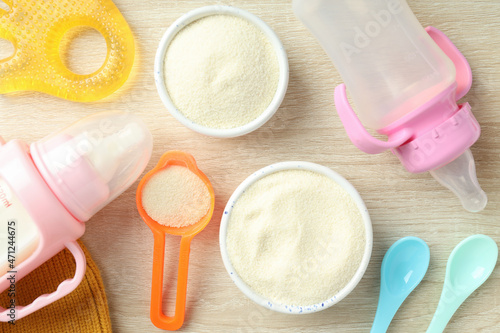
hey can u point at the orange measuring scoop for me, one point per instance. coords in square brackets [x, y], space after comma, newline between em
[158, 318]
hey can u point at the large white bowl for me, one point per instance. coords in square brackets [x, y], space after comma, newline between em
[194, 15]
[306, 308]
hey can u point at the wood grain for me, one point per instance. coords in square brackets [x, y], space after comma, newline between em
[307, 128]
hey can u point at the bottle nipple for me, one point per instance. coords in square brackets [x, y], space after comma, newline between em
[109, 154]
[459, 176]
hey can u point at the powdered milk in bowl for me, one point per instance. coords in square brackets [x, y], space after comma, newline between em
[296, 237]
[221, 71]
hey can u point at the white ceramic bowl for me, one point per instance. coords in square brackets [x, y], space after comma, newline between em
[306, 308]
[194, 15]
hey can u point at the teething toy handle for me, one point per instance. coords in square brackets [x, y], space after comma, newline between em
[157, 317]
[66, 287]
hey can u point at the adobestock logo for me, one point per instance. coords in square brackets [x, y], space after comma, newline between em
[372, 29]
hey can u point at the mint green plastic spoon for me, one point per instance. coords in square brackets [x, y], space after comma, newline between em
[469, 265]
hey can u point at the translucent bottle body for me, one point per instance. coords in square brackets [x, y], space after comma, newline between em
[387, 60]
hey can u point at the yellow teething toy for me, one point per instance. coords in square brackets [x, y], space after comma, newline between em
[36, 28]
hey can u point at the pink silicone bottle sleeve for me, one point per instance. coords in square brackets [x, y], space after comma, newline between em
[57, 228]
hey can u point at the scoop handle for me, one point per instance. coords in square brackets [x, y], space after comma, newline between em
[158, 318]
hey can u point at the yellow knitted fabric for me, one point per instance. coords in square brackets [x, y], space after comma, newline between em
[84, 310]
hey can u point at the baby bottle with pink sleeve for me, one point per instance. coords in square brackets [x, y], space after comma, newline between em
[405, 82]
[48, 191]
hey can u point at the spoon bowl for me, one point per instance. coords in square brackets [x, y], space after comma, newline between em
[469, 266]
[473, 261]
[405, 264]
[403, 267]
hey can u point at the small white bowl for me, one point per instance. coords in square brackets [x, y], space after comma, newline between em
[194, 15]
[284, 308]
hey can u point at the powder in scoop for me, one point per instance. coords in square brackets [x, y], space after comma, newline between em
[296, 237]
[175, 197]
[221, 71]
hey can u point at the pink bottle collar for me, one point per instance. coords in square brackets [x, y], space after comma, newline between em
[432, 135]
[441, 145]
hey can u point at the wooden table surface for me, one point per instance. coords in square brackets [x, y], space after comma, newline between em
[306, 128]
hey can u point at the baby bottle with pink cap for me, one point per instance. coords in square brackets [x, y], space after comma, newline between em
[405, 82]
[48, 191]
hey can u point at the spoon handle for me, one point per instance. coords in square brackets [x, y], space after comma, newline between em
[387, 308]
[448, 304]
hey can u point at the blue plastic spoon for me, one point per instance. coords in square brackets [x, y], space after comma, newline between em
[403, 267]
[469, 266]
